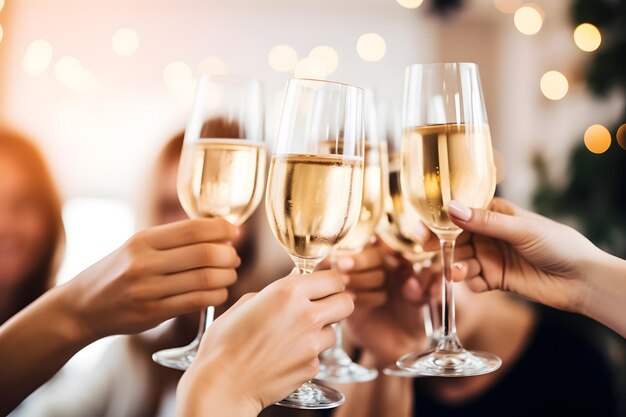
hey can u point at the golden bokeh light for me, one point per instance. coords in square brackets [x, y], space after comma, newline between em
[1, 5]
[597, 139]
[37, 57]
[1, 33]
[125, 42]
[410, 4]
[282, 58]
[178, 77]
[507, 6]
[371, 47]
[211, 65]
[325, 56]
[528, 19]
[70, 74]
[310, 68]
[621, 136]
[587, 37]
[554, 85]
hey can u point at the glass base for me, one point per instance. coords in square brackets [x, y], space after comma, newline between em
[449, 363]
[312, 396]
[336, 367]
[394, 370]
[177, 358]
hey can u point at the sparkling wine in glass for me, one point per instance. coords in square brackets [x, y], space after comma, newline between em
[335, 364]
[222, 168]
[446, 155]
[314, 188]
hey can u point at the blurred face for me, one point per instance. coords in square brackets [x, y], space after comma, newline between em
[23, 228]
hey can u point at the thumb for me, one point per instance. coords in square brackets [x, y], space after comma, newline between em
[510, 228]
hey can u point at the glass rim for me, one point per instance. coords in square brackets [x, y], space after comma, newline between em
[442, 64]
[326, 82]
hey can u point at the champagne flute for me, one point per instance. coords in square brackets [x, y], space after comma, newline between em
[446, 155]
[222, 168]
[335, 364]
[314, 187]
[397, 230]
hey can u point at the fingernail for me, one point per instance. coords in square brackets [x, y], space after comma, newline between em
[459, 210]
[458, 266]
[345, 263]
[421, 231]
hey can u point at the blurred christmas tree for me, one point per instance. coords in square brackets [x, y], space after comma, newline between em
[595, 195]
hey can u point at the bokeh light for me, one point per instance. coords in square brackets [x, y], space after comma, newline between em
[507, 6]
[410, 4]
[178, 77]
[371, 47]
[310, 68]
[37, 57]
[70, 74]
[1, 33]
[211, 65]
[282, 58]
[554, 85]
[1, 5]
[621, 136]
[325, 56]
[597, 139]
[125, 42]
[587, 37]
[528, 19]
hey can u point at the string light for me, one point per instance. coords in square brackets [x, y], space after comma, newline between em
[554, 85]
[178, 77]
[282, 58]
[507, 6]
[125, 42]
[528, 19]
[371, 47]
[621, 136]
[597, 139]
[37, 57]
[410, 4]
[587, 37]
[325, 56]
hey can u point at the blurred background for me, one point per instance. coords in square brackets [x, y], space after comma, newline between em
[101, 86]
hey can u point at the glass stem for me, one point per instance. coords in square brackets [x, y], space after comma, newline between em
[338, 336]
[449, 341]
[428, 321]
[206, 318]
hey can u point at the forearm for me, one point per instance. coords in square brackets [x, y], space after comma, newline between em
[604, 288]
[383, 397]
[34, 345]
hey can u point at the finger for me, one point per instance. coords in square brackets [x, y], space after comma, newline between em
[466, 269]
[201, 279]
[333, 309]
[463, 252]
[189, 232]
[327, 338]
[200, 255]
[366, 259]
[512, 229]
[190, 301]
[412, 290]
[432, 244]
[366, 281]
[477, 284]
[317, 285]
[370, 299]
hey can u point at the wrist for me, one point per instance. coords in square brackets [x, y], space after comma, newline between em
[207, 390]
[70, 318]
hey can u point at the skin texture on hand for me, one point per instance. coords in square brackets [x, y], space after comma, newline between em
[540, 259]
[264, 347]
[160, 273]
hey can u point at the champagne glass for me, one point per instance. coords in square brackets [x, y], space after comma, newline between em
[314, 187]
[222, 168]
[335, 364]
[446, 155]
[397, 230]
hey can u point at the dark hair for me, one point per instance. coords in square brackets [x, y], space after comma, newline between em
[42, 278]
